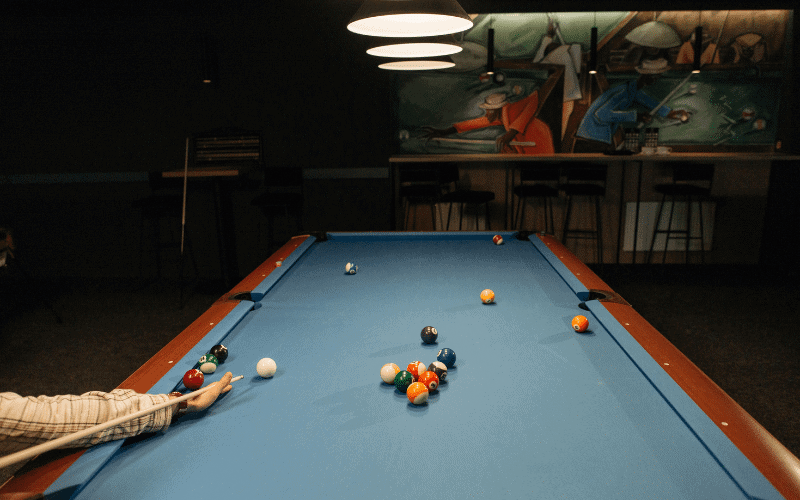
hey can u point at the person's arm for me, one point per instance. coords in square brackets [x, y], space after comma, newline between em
[27, 421]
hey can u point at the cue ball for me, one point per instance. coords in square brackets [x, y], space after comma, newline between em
[266, 368]
[429, 335]
[580, 324]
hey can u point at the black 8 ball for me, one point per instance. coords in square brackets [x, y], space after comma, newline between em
[220, 351]
[429, 334]
[440, 370]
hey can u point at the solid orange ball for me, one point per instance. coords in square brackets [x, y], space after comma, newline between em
[580, 324]
[487, 296]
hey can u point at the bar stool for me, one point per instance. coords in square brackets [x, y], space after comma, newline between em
[162, 209]
[690, 182]
[283, 197]
[539, 182]
[585, 180]
[464, 198]
[420, 184]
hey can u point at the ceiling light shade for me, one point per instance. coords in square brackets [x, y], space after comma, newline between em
[654, 34]
[419, 64]
[415, 47]
[698, 49]
[593, 51]
[409, 18]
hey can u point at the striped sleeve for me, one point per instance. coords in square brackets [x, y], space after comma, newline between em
[28, 421]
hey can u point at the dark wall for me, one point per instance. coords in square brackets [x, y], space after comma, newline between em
[116, 87]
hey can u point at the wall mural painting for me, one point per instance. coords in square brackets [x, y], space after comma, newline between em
[544, 101]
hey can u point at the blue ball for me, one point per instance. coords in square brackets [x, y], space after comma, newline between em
[351, 268]
[447, 356]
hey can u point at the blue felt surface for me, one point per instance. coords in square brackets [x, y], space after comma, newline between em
[531, 410]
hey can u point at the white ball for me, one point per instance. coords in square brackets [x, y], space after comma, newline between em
[266, 368]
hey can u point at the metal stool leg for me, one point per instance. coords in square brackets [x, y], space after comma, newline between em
[655, 230]
[669, 230]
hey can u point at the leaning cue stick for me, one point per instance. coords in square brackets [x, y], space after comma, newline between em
[480, 141]
[664, 101]
[57, 443]
[183, 210]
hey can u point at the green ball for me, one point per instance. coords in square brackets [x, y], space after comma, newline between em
[208, 363]
[402, 380]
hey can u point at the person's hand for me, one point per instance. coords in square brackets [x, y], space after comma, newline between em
[679, 114]
[645, 117]
[206, 399]
[503, 140]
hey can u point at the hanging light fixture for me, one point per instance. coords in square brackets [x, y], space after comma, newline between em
[409, 18]
[415, 47]
[419, 64]
[698, 43]
[655, 35]
[593, 48]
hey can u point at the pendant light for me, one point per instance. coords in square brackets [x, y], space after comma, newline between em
[443, 45]
[593, 48]
[409, 18]
[698, 43]
[426, 64]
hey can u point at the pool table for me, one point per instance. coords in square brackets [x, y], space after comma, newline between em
[531, 409]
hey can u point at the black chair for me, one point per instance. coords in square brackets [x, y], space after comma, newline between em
[468, 198]
[588, 181]
[283, 197]
[690, 182]
[539, 182]
[421, 184]
[163, 210]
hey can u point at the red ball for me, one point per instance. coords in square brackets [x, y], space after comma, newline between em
[580, 323]
[416, 369]
[498, 240]
[193, 379]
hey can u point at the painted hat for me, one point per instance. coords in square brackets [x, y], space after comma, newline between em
[653, 66]
[494, 101]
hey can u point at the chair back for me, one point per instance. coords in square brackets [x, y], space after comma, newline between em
[228, 148]
[284, 177]
[586, 172]
[540, 172]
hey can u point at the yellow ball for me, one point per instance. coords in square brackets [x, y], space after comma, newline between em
[487, 296]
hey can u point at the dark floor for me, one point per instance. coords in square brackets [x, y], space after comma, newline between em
[735, 323]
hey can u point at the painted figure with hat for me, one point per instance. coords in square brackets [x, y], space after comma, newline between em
[618, 104]
[518, 118]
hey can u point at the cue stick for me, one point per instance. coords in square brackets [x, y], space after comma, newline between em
[56, 443]
[481, 141]
[664, 101]
[185, 182]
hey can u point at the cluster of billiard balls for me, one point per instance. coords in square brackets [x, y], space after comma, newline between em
[194, 378]
[417, 381]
